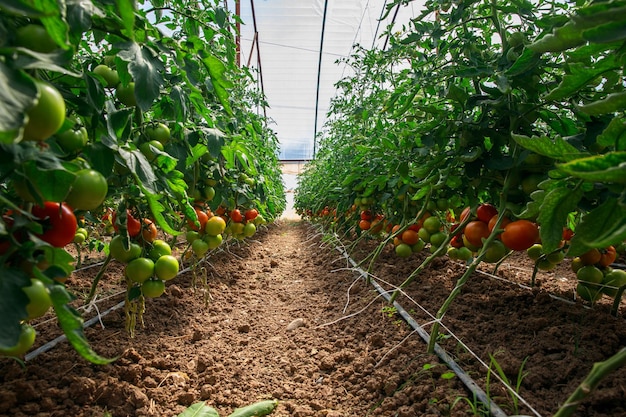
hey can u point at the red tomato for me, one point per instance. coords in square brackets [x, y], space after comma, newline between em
[132, 224]
[494, 220]
[485, 212]
[567, 234]
[251, 214]
[366, 215]
[475, 231]
[520, 235]
[467, 211]
[235, 215]
[59, 223]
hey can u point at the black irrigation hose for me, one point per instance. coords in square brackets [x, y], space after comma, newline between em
[478, 393]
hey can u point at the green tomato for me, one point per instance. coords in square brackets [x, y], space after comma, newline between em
[24, 343]
[159, 132]
[47, 115]
[535, 251]
[72, 140]
[495, 252]
[146, 149]
[35, 38]
[88, 191]
[140, 269]
[613, 281]
[153, 288]
[166, 267]
[110, 75]
[39, 297]
[464, 254]
[403, 250]
[119, 253]
[249, 229]
[432, 224]
[159, 248]
[213, 241]
[126, 94]
[436, 239]
[191, 236]
[199, 247]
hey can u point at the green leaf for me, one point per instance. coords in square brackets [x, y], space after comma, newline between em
[601, 227]
[13, 303]
[127, 12]
[612, 103]
[17, 94]
[41, 9]
[580, 75]
[556, 148]
[221, 84]
[614, 135]
[526, 62]
[72, 324]
[556, 206]
[609, 167]
[147, 72]
[199, 410]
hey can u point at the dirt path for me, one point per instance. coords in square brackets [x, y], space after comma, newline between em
[261, 336]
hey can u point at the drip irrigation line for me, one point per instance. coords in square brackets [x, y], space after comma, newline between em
[54, 342]
[494, 409]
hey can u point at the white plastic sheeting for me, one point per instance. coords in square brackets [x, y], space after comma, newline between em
[289, 34]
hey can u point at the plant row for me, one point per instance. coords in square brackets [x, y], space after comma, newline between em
[126, 128]
[485, 128]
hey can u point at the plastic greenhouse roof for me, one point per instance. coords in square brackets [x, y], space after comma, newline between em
[289, 37]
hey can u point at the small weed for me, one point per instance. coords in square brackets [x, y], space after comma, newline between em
[513, 390]
[477, 408]
[389, 311]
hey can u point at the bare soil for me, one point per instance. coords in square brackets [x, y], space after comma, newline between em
[283, 317]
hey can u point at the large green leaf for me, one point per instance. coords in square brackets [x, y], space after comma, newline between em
[580, 75]
[609, 167]
[219, 80]
[17, 93]
[13, 303]
[146, 70]
[556, 148]
[603, 226]
[72, 324]
[556, 206]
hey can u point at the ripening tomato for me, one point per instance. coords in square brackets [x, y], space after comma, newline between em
[475, 231]
[485, 212]
[149, 231]
[607, 256]
[520, 235]
[203, 218]
[59, 223]
[410, 237]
